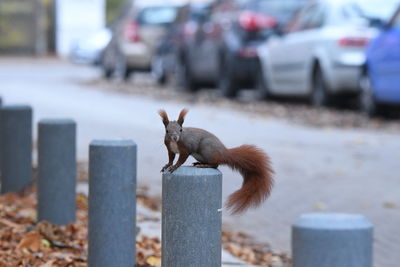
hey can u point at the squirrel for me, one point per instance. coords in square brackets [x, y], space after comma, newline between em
[252, 163]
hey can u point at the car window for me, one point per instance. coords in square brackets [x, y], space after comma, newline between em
[316, 17]
[157, 15]
[395, 23]
[295, 23]
[309, 17]
[281, 9]
[182, 14]
[370, 9]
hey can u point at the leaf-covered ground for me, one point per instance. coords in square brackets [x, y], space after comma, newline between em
[24, 242]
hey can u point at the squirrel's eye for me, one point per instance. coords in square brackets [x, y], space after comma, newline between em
[181, 130]
[167, 131]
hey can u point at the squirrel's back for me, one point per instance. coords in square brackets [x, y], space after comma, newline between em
[201, 142]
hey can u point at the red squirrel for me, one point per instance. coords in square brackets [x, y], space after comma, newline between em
[208, 150]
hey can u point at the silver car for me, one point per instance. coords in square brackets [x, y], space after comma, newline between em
[319, 53]
[136, 34]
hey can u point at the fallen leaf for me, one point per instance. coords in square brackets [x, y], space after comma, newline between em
[389, 205]
[9, 223]
[48, 264]
[46, 243]
[154, 261]
[31, 241]
[320, 206]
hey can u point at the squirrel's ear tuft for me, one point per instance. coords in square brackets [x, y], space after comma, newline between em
[182, 115]
[164, 116]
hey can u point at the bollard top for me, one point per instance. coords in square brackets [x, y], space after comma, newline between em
[112, 143]
[194, 171]
[15, 107]
[332, 221]
[56, 121]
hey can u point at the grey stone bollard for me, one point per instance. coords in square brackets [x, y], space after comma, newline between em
[191, 217]
[112, 203]
[57, 171]
[332, 240]
[16, 147]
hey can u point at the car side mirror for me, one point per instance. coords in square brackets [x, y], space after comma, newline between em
[278, 29]
[378, 23]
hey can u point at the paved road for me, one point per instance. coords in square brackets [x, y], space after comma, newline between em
[332, 170]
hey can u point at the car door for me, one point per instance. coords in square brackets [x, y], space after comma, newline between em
[385, 62]
[293, 52]
[200, 55]
[280, 55]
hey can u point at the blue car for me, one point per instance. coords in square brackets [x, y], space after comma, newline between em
[380, 82]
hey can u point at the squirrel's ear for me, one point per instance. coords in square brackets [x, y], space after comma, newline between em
[182, 115]
[164, 117]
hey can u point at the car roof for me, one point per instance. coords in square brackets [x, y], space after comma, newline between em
[147, 3]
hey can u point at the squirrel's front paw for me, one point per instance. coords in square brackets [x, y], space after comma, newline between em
[165, 167]
[172, 168]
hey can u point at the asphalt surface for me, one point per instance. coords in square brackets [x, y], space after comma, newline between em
[317, 169]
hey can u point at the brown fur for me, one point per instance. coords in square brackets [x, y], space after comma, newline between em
[253, 164]
[182, 115]
[164, 117]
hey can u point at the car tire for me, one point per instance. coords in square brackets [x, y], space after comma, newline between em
[186, 78]
[107, 72]
[157, 70]
[261, 85]
[227, 83]
[319, 94]
[122, 70]
[366, 100]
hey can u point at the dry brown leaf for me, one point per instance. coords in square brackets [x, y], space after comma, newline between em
[48, 263]
[154, 261]
[31, 242]
[9, 223]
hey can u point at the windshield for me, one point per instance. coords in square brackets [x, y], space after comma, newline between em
[376, 9]
[157, 15]
[282, 9]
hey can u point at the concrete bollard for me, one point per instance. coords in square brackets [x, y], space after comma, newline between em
[16, 147]
[331, 240]
[112, 203]
[57, 171]
[191, 217]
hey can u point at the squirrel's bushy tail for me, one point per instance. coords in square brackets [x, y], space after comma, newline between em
[255, 167]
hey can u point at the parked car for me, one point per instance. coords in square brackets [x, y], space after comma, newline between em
[90, 50]
[380, 80]
[224, 47]
[319, 53]
[137, 32]
[173, 46]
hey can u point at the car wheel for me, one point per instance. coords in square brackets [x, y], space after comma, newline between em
[186, 78]
[158, 71]
[227, 84]
[319, 95]
[366, 99]
[261, 85]
[122, 68]
[107, 72]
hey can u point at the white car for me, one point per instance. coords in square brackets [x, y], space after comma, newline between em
[319, 53]
[90, 50]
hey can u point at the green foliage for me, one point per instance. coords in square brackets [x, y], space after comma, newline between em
[112, 8]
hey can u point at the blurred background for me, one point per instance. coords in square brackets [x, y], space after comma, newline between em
[315, 83]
